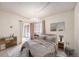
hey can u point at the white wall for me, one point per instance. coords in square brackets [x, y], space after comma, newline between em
[68, 18]
[7, 20]
[77, 28]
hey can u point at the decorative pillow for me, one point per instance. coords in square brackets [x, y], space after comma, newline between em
[51, 39]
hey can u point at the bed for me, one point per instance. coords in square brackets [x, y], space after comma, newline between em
[41, 48]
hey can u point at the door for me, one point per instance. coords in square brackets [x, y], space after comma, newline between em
[26, 32]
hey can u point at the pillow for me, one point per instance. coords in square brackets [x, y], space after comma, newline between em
[41, 37]
[51, 39]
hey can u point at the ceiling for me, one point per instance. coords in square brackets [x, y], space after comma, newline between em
[36, 9]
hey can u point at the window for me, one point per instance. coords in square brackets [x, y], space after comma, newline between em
[38, 27]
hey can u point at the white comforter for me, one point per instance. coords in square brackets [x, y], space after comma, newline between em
[41, 48]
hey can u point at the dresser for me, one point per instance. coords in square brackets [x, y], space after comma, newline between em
[7, 42]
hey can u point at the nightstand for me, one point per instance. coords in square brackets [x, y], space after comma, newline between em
[61, 45]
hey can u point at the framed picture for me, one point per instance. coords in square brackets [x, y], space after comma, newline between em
[59, 26]
[53, 27]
